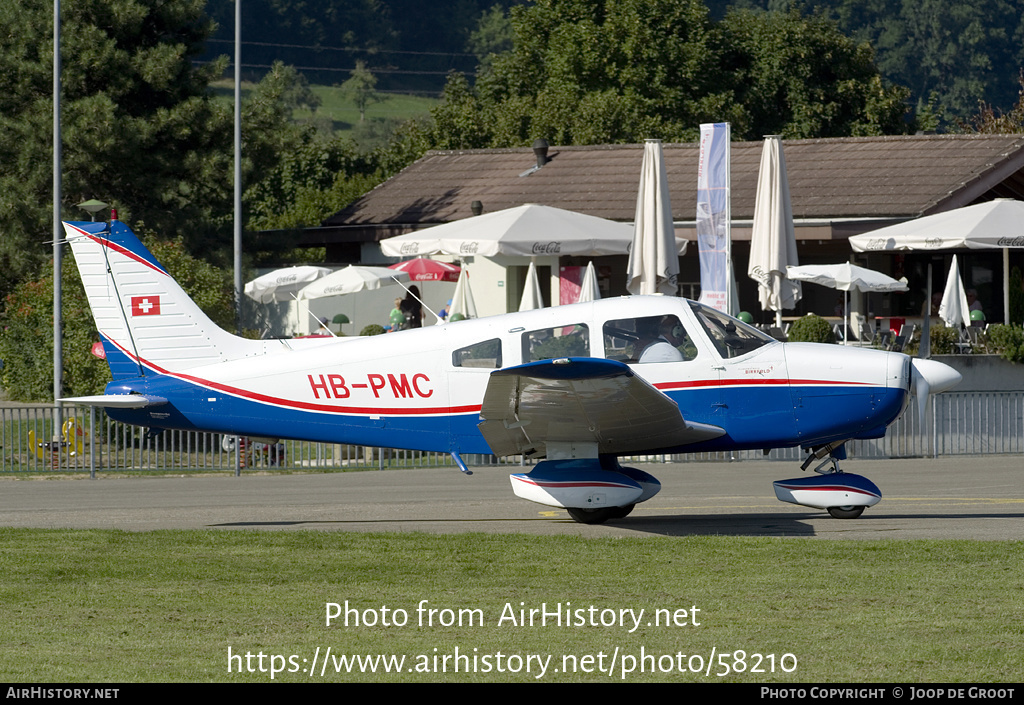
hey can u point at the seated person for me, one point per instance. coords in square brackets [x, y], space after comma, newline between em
[665, 347]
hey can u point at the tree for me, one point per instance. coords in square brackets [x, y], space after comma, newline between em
[492, 36]
[951, 54]
[140, 130]
[800, 77]
[992, 121]
[26, 346]
[361, 88]
[585, 72]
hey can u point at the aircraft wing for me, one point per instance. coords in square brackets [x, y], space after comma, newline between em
[118, 401]
[581, 400]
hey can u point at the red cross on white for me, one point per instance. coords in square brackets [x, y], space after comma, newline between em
[145, 305]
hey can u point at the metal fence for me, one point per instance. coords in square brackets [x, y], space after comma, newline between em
[86, 440]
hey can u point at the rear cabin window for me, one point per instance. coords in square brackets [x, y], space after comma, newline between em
[572, 340]
[648, 339]
[486, 354]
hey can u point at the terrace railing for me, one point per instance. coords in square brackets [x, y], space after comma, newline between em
[34, 439]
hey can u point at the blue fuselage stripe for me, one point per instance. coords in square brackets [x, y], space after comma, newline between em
[753, 417]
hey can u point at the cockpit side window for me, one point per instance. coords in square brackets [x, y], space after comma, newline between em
[486, 354]
[648, 339]
[549, 343]
[730, 337]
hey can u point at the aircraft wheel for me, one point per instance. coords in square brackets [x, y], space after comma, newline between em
[598, 516]
[591, 516]
[621, 512]
[845, 512]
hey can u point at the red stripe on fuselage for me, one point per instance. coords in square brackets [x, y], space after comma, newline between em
[295, 404]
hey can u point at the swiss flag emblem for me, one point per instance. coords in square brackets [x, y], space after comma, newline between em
[145, 305]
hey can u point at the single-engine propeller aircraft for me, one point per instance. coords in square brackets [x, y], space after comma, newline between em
[577, 386]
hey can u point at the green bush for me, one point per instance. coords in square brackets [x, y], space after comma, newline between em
[811, 329]
[372, 329]
[943, 340]
[1007, 341]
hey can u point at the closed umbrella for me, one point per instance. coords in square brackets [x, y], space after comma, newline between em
[954, 309]
[532, 296]
[654, 256]
[462, 301]
[589, 290]
[773, 239]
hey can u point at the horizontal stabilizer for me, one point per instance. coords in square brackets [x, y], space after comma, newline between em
[117, 401]
[581, 401]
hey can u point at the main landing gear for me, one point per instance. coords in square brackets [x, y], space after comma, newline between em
[592, 490]
[843, 495]
[599, 516]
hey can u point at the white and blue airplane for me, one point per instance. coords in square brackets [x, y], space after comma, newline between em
[574, 386]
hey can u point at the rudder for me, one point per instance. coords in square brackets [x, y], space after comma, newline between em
[146, 320]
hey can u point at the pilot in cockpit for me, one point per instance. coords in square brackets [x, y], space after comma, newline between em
[665, 347]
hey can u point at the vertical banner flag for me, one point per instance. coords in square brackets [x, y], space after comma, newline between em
[713, 215]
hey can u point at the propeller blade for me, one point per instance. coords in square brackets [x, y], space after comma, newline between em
[929, 377]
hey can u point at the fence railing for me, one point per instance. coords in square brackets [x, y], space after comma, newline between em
[34, 439]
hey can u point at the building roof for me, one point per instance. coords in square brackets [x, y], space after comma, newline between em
[841, 179]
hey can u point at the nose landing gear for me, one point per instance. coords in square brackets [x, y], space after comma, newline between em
[843, 495]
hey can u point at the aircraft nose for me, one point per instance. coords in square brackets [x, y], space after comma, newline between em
[933, 377]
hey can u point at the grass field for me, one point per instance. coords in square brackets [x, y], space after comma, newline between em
[91, 606]
[343, 113]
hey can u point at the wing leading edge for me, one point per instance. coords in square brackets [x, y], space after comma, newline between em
[581, 401]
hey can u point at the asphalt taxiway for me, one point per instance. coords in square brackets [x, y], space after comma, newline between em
[964, 497]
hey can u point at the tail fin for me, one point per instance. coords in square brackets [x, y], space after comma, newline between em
[147, 322]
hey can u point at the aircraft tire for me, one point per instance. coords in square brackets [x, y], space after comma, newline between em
[598, 516]
[845, 512]
[621, 512]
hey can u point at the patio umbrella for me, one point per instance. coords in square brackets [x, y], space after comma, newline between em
[954, 309]
[424, 269]
[532, 296]
[845, 277]
[281, 284]
[997, 224]
[589, 290]
[525, 231]
[773, 240]
[351, 279]
[654, 256]
[462, 299]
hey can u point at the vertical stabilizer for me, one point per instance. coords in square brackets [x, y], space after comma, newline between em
[147, 322]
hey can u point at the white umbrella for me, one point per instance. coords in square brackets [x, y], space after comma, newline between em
[532, 296]
[997, 224]
[462, 299]
[845, 277]
[351, 279]
[954, 309]
[589, 290]
[281, 284]
[524, 231]
[773, 240]
[654, 256]
[991, 225]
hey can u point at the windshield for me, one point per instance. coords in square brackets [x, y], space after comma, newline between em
[731, 337]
